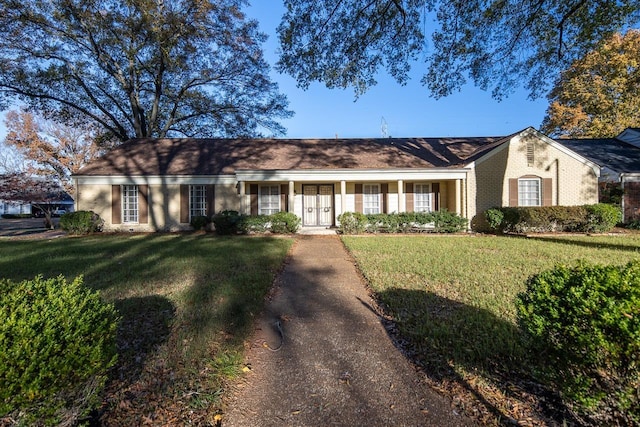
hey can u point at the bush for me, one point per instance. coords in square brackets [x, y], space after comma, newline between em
[585, 322]
[495, 218]
[81, 222]
[16, 216]
[589, 218]
[200, 222]
[352, 222]
[255, 224]
[447, 222]
[227, 222]
[439, 221]
[602, 217]
[57, 341]
[284, 222]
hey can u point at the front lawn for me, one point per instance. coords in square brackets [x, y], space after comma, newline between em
[187, 304]
[452, 298]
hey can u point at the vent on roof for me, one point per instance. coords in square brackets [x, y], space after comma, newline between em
[530, 153]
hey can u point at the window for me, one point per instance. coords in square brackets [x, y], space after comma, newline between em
[371, 198]
[422, 198]
[130, 203]
[197, 201]
[269, 201]
[529, 192]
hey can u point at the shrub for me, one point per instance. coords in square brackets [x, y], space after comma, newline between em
[81, 222]
[586, 322]
[352, 222]
[495, 218]
[58, 341]
[634, 225]
[16, 216]
[439, 221]
[227, 222]
[284, 222]
[602, 217]
[589, 218]
[254, 224]
[200, 222]
[448, 222]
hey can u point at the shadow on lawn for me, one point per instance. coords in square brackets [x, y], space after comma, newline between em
[145, 325]
[594, 244]
[439, 334]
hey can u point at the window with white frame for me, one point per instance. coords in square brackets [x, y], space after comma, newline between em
[269, 200]
[529, 192]
[197, 201]
[371, 198]
[130, 203]
[422, 197]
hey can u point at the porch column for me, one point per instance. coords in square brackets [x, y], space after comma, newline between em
[292, 196]
[243, 197]
[458, 197]
[402, 206]
[343, 197]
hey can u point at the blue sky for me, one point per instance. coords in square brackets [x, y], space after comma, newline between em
[407, 110]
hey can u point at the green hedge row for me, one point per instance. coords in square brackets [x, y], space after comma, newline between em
[405, 222]
[597, 218]
[232, 222]
[583, 328]
[16, 216]
[57, 342]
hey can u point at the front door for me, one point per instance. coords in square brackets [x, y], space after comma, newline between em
[317, 205]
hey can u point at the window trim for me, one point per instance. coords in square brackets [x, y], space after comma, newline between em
[268, 210]
[428, 194]
[522, 201]
[365, 196]
[202, 211]
[130, 214]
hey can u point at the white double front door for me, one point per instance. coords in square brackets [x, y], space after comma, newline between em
[317, 205]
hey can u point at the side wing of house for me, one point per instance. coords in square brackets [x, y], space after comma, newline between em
[154, 203]
[531, 170]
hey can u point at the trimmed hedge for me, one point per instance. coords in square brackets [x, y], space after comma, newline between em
[599, 218]
[405, 222]
[583, 324]
[232, 222]
[57, 341]
[16, 216]
[81, 222]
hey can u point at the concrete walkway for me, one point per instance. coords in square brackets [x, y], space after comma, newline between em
[337, 365]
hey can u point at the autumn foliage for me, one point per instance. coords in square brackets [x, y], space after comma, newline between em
[599, 95]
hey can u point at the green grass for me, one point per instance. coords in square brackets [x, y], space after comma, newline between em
[187, 304]
[452, 297]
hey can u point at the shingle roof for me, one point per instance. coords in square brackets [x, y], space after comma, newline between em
[612, 153]
[189, 156]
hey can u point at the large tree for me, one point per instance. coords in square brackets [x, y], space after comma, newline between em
[497, 44]
[140, 68]
[51, 149]
[599, 95]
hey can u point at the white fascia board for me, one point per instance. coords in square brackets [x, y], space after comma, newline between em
[156, 180]
[324, 175]
[630, 177]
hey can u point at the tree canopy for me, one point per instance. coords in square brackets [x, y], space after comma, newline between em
[498, 44]
[140, 68]
[51, 149]
[599, 94]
